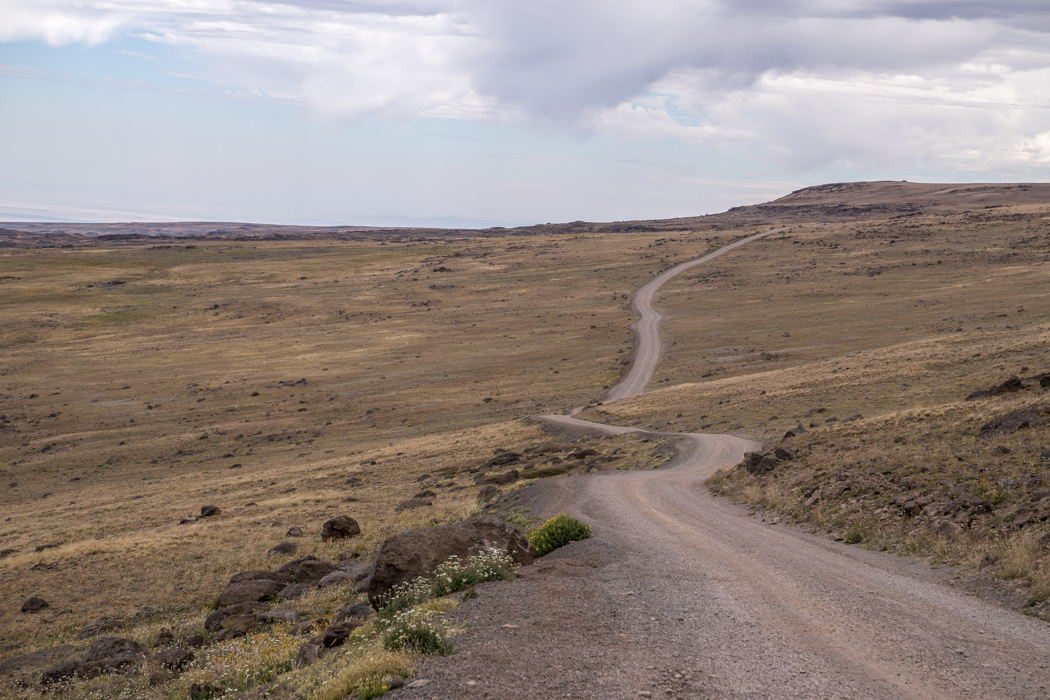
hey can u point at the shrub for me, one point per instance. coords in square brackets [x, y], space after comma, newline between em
[403, 597]
[416, 630]
[558, 532]
[486, 565]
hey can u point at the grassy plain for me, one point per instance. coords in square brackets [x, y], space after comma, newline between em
[288, 381]
[142, 381]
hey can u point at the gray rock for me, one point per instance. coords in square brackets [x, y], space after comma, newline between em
[336, 635]
[488, 493]
[250, 591]
[418, 552]
[103, 624]
[294, 531]
[236, 626]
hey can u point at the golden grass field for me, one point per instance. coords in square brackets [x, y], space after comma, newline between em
[143, 380]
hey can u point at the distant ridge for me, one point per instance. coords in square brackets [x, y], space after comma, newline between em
[835, 202]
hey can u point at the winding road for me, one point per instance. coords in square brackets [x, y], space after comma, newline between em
[682, 595]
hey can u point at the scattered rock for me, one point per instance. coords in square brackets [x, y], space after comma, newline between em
[336, 578]
[215, 620]
[195, 641]
[336, 634]
[310, 652]
[359, 612]
[33, 659]
[506, 478]
[59, 673]
[236, 626]
[488, 493]
[293, 566]
[252, 590]
[412, 504]
[782, 453]
[418, 552]
[393, 681]
[209, 511]
[34, 604]
[425, 494]
[4, 553]
[103, 624]
[281, 615]
[282, 548]
[261, 575]
[294, 531]
[312, 571]
[173, 659]
[165, 638]
[759, 462]
[1011, 385]
[340, 528]
[293, 591]
[1028, 417]
[946, 529]
[109, 654]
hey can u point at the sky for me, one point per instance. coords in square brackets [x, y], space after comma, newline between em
[492, 112]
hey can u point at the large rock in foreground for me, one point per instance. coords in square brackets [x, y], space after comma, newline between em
[419, 552]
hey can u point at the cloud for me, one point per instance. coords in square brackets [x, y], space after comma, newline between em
[812, 82]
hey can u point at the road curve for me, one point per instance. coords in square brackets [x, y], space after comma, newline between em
[683, 595]
[774, 612]
[647, 328]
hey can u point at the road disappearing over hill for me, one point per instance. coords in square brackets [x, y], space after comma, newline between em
[682, 595]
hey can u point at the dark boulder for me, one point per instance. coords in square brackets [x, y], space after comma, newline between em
[759, 462]
[250, 591]
[294, 531]
[335, 635]
[209, 511]
[59, 673]
[1028, 417]
[419, 552]
[108, 655]
[312, 571]
[488, 493]
[293, 566]
[34, 604]
[340, 528]
[1009, 386]
[282, 548]
[294, 591]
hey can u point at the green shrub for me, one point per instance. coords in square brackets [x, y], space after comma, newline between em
[416, 630]
[558, 532]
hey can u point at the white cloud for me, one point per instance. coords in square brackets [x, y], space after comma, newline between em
[955, 83]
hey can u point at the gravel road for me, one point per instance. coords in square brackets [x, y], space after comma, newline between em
[681, 595]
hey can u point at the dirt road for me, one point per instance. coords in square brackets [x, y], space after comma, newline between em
[681, 595]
